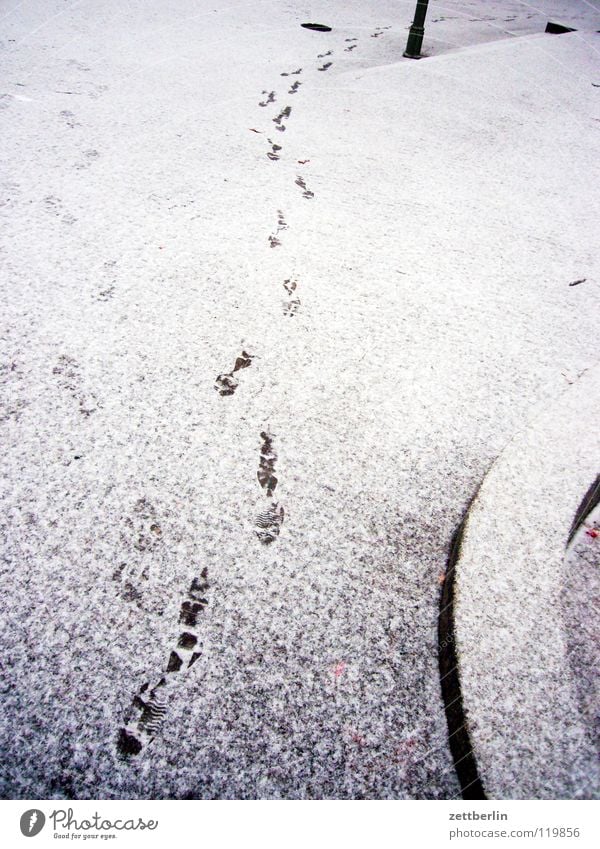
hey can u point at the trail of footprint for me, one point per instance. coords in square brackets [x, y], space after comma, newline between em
[281, 222]
[323, 55]
[106, 288]
[266, 467]
[226, 383]
[269, 520]
[105, 294]
[143, 531]
[325, 66]
[281, 225]
[269, 523]
[295, 87]
[69, 119]
[278, 120]
[127, 589]
[69, 377]
[54, 206]
[270, 98]
[90, 156]
[291, 307]
[291, 73]
[273, 154]
[305, 192]
[148, 710]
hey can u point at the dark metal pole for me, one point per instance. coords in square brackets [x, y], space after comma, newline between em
[417, 31]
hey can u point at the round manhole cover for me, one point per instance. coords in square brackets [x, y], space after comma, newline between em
[317, 27]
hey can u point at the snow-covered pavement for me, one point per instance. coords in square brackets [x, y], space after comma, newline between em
[276, 301]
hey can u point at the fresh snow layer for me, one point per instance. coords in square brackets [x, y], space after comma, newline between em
[431, 217]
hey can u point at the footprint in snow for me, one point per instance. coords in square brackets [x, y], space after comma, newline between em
[149, 707]
[227, 383]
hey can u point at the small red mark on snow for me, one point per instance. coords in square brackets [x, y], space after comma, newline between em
[303, 161]
[441, 578]
[593, 533]
[403, 751]
[339, 669]
[357, 738]
[252, 130]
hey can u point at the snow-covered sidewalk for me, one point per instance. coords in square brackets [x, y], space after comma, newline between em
[277, 300]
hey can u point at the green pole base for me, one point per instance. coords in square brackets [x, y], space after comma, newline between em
[414, 43]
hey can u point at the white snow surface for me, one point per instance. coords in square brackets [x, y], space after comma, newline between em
[453, 204]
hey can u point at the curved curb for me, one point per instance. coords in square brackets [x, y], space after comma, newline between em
[459, 738]
[580, 594]
[589, 502]
[515, 725]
